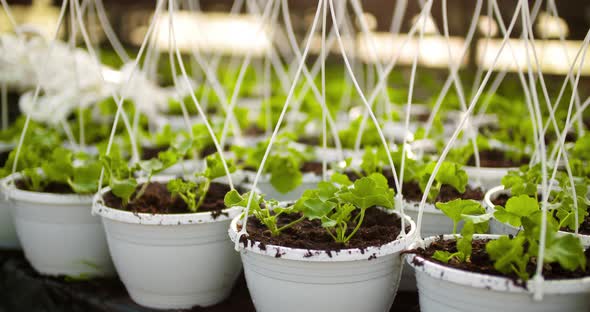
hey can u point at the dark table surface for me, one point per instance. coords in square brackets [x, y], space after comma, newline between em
[22, 289]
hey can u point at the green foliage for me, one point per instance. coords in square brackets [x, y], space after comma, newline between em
[517, 207]
[449, 173]
[79, 171]
[467, 210]
[187, 190]
[283, 163]
[523, 181]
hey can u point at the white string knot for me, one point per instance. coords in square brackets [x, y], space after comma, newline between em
[538, 282]
[237, 246]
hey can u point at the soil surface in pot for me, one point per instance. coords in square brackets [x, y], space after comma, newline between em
[481, 263]
[56, 188]
[149, 152]
[158, 200]
[378, 228]
[412, 191]
[307, 167]
[496, 159]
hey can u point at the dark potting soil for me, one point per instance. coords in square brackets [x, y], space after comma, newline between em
[52, 187]
[584, 227]
[481, 263]
[149, 152]
[496, 159]
[307, 167]
[378, 228]
[412, 191]
[253, 131]
[4, 157]
[158, 200]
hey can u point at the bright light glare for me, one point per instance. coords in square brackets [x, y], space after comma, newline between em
[433, 51]
[554, 57]
[213, 32]
[551, 26]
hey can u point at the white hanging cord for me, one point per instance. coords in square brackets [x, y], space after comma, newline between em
[368, 106]
[10, 17]
[453, 138]
[120, 110]
[243, 231]
[538, 278]
[278, 66]
[244, 67]
[382, 82]
[520, 73]
[76, 81]
[453, 70]
[553, 9]
[358, 10]
[98, 66]
[409, 104]
[4, 106]
[561, 138]
[197, 105]
[109, 32]
[323, 82]
[60, 20]
[398, 16]
[171, 49]
[310, 82]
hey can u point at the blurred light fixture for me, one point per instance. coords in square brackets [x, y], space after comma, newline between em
[487, 26]
[549, 26]
[555, 56]
[429, 26]
[39, 18]
[432, 52]
[211, 32]
[370, 21]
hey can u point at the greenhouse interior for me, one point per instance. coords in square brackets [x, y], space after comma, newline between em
[295, 155]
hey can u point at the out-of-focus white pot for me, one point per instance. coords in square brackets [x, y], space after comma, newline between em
[444, 289]
[487, 176]
[292, 279]
[8, 237]
[171, 261]
[58, 233]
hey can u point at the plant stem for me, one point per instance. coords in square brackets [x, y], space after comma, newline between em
[358, 225]
[205, 190]
[290, 224]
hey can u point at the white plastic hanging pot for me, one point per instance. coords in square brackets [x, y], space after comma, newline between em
[8, 237]
[310, 180]
[497, 227]
[487, 176]
[444, 289]
[171, 261]
[58, 233]
[185, 167]
[434, 222]
[291, 279]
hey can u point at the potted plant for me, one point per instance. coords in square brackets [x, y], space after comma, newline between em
[290, 168]
[167, 236]
[342, 237]
[518, 196]
[51, 207]
[493, 272]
